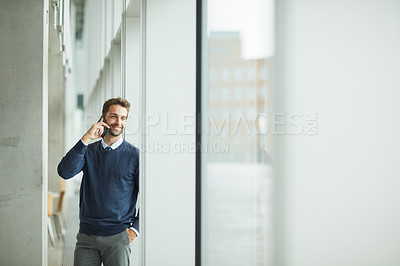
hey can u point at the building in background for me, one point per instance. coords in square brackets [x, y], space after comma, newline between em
[239, 99]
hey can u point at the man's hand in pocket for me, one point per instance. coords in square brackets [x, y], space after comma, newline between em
[131, 234]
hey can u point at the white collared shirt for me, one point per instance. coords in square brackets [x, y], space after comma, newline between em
[104, 144]
[114, 145]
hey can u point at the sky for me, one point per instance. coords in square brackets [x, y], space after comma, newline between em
[254, 19]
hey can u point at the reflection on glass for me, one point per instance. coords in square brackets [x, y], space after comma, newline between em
[237, 179]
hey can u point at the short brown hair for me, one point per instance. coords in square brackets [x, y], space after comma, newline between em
[123, 102]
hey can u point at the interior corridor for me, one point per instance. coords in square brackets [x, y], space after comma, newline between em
[266, 131]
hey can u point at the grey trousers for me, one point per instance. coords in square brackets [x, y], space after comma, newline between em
[112, 250]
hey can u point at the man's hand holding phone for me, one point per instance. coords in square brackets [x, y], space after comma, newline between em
[95, 131]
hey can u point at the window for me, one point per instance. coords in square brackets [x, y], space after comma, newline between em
[225, 94]
[251, 113]
[252, 94]
[238, 113]
[264, 72]
[213, 75]
[252, 73]
[236, 182]
[213, 94]
[238, 94]
[225, 74]
[238, 74]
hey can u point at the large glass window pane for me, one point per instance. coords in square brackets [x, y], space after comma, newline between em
[237, 166]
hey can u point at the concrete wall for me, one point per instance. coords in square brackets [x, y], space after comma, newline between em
[337, 191]
[23, 132]
[56, 104]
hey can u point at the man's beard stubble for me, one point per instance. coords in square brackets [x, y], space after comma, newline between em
[115, 134]
[110, 131]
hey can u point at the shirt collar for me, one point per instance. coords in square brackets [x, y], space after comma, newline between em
[113, 146]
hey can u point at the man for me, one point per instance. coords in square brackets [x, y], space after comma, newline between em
[109, 189]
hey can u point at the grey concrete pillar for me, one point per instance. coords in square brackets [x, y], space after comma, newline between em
[23, 132]
[56, 107]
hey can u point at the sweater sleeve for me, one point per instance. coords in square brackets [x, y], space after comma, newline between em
[135, 223]
[73, 162]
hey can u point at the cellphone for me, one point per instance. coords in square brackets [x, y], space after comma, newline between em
[105, 130]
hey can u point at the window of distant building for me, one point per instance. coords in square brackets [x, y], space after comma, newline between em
[252, 93]
[213, 114]
[225, 114]
[251, 113]
[238, 74]
[264, 72]
[238, 94]
[225, 74]
[263, 91]
[252, 73]
[238, 113]
[213, 94]
[213, 75]
[225, 94]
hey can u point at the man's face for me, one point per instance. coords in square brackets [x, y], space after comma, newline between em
[116, 119]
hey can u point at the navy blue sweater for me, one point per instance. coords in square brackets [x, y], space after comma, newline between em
[109, 187]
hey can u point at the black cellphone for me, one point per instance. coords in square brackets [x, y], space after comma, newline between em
[105, 130]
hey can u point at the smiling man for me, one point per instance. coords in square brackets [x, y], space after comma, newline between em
[109, 189]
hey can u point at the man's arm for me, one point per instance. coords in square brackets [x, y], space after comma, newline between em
[94, 131]
[72, 163]
[135, 224]
[133, 230]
